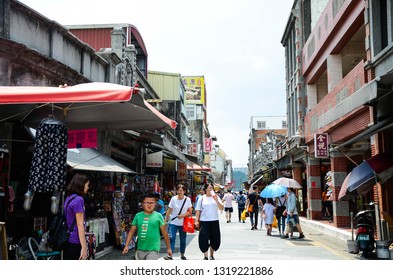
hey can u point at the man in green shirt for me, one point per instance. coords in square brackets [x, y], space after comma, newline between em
[148, 224]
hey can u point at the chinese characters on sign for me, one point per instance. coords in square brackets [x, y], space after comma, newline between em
[192, 149]
[154, 159]
[181, 170]
[208, 145]
[86, 138]
[321, 145]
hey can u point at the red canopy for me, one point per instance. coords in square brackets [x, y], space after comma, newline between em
[89, 92]
[99, 105]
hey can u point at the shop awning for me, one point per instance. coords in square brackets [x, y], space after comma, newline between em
[196, 167]
[93, 160]
[103, 106]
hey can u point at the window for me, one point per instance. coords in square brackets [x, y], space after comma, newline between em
[261, 125]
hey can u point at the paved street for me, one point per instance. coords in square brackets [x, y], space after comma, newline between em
[239, 242]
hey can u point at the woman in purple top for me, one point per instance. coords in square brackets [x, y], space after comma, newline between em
[74, 206]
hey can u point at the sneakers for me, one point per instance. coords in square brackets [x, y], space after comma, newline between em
[183, 258]
[212, 258]
[205, 258]
[285, 236]
[301, 236]
[167, 258]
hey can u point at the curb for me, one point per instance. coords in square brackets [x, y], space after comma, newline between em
[328, 229]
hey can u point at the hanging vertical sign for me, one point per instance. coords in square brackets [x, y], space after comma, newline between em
[181, 170]
[321, 145]
[208, 145]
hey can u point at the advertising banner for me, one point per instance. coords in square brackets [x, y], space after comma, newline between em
[85, 138]
[195, 89]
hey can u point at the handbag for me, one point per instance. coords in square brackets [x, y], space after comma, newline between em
[251, 207]
[188, 224]
[274, 224]
[244, 215]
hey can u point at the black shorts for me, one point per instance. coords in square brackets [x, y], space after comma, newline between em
[230, 209]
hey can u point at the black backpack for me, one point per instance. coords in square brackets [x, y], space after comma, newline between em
[241, 202]
[59, 233]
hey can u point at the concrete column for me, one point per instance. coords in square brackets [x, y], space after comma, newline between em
[314, 211]
[334, 70]
[312, 96]
[338, 164]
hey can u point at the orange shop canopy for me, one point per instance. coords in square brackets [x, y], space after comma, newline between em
[99, 105]
[196, 167]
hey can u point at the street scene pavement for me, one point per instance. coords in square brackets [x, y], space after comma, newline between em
[239, 242]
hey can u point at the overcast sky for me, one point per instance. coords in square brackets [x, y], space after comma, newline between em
[234, 44]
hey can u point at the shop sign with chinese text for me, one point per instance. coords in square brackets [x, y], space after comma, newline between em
[208, 145]
[85, 138]
[321, 145]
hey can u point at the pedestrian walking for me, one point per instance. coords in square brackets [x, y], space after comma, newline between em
[241, 204]
[228, 207]
[207, 219]
[292, 215]
[179, 207]
[253, 203]
[268, 215]
[148, 224]
[281, 206]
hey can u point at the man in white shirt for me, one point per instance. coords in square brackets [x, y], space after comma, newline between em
[227, 199]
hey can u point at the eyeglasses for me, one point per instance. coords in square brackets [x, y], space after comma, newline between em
[149, 203]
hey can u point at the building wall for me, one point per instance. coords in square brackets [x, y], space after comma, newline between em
[167, 85]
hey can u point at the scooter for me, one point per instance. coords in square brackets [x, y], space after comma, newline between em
[365, 232]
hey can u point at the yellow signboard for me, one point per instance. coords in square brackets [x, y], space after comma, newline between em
[195, 89]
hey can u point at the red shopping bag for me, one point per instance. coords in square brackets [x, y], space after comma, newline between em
[188, 224]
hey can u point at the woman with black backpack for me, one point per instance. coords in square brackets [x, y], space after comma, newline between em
[74, 207]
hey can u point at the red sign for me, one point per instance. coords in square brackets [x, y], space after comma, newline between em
[85, 138]
[181, 170]
[321, 145]
[208, 145]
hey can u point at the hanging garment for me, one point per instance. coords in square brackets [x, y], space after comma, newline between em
[49, 163]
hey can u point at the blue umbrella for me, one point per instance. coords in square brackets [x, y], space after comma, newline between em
[273, 190]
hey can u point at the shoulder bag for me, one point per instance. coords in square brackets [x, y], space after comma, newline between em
[184, 202]
[251, 207]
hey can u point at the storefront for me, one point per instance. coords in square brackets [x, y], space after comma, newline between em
[97, 105]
